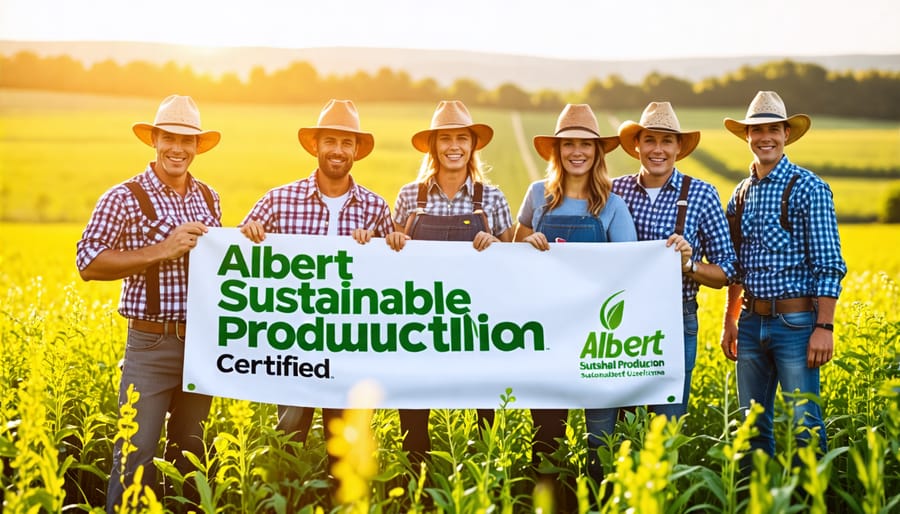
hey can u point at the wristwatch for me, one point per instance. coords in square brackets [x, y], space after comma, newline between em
[826, 326]
[690, 265]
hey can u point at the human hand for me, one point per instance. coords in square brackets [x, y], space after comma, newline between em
[820, 349]
[538, 240]
[254, 231]
[682, 246]
[396, 240]
[362, 235]
[729, 340]
[183, 239]
[483, 240]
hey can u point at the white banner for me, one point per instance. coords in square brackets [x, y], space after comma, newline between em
[301, 320]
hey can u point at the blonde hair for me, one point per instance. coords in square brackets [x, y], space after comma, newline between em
[475, 167]
[599, 185]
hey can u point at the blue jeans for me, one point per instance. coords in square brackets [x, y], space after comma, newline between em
[771, 351]
[153, 363]
[603, 421]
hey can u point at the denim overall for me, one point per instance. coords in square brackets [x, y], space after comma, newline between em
[427, 227]
[550, 424]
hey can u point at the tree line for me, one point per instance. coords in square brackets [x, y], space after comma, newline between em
[811, 87]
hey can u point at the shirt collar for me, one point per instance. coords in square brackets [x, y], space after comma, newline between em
[312, 187]
[779, 173]
[673, 182]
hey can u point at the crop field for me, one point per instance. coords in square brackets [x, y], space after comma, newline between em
[59, 152]
[61, 340]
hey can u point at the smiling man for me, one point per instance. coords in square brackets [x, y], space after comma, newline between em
[698, 229]
[327, 203]
[790, 270]
[141, 231]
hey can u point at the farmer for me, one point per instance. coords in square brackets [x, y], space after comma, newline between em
[327, 203]
[449, 201]
[790, 270]
[685, 211]
[141, 231]
[575, 203]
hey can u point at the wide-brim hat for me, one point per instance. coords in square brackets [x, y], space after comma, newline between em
[449, 115]
[768, 107]
[338, 115]
[659, 117]
[178, 115]
[576, 121]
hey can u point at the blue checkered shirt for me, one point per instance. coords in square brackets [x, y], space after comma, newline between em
[805, 261]
[705, 226]
[496, 208]
[297, 208]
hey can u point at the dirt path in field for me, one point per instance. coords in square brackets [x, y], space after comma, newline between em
[524, 147]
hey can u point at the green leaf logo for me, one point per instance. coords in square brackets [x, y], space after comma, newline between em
[611, 314]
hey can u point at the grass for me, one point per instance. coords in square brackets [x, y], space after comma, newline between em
[59, 152]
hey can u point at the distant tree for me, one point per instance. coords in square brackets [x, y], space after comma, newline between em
[891, 210]
[510, 96]
[467, 90]
[659, 87]
[547, 100]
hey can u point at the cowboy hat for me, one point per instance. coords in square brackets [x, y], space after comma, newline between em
[178, 115]
[659, 117]
[768, 107]
[453, 114]
[576, 121]
[338, 115]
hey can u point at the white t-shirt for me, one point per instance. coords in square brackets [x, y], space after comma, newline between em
[653, 192]
[334, 210]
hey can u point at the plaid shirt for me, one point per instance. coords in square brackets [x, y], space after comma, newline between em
[118, 224]
[496, 208]
[805, 261]
[297, 208]
[705, 226]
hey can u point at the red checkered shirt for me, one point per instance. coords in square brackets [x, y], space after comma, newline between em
[118, 224]
[297, 208]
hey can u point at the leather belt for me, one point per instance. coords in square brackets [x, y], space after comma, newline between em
[774, 307]
[158, 327]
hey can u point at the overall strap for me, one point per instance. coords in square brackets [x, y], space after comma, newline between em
[151, 274]
[734, 221]
[207, 195]
[785, 197]
[682, 205]
[421, 203]
[478, 204]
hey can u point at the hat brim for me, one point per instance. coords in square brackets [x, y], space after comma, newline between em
[206, 139]
[629, 130]
[365, 141]
[799, 124]
[544, 144]
[483, 133]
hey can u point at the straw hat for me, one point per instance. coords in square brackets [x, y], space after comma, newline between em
[576, 121]
[178, 115]
[660, 117]
[338, 115]
[453, 114]
[768, 107]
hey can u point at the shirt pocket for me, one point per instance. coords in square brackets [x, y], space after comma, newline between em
[776, 239]
[157, 231]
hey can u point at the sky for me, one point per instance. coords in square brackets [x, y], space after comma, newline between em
[567, 29]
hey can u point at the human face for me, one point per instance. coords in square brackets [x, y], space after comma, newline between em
[174, 154]
[453, 148]
[336, 150]
[767, 143]
[657, 151]
[577, 155]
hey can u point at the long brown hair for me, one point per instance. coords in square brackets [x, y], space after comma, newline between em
[599, 185]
